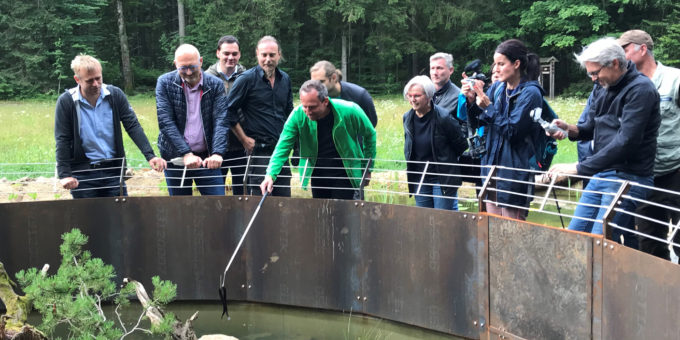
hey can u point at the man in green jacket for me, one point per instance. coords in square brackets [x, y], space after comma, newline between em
[328, 131]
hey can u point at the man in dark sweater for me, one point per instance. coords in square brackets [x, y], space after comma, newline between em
[623, 123]
[228, 69]
[90, 153]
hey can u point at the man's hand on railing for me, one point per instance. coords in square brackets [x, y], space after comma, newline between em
[192, 161]
[267, 185]
[562, 171]
[213, 162]
[158, 164]
[68, 183]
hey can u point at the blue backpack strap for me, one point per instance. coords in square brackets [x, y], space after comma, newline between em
[462, 107]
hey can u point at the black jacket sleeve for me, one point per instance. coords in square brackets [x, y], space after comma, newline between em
[64, 134]
[131, 124]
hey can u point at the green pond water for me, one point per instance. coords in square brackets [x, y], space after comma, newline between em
[251, 321]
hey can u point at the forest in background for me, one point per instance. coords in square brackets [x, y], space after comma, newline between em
[383, 43]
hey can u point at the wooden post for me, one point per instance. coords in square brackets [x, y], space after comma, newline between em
[548, 68]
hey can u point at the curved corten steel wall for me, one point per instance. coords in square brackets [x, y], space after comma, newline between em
[463, 274]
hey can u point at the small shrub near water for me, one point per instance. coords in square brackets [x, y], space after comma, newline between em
[73, 297]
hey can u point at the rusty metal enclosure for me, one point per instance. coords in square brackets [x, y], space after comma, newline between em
[465, 274]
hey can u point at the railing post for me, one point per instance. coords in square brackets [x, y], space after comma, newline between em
[610, 213]
[547, 192]
[488, 180]
[121, 178]
[245, 175]
[422, 178]
[363, 179]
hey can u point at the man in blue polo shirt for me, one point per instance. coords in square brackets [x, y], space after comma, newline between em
[90, 153]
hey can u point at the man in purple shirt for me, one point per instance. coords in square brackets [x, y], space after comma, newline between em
[191, 107]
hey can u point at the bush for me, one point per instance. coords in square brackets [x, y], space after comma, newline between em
[75, 294]
[579, 89]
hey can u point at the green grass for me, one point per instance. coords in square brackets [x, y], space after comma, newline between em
[569, 110]
[28, 133]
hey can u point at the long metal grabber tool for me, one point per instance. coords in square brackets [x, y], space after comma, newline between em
[179, 161]
[223, 289]
[363, 178]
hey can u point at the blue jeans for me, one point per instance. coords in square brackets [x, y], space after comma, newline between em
[98, 183]
[620, 219]
[438, 201]
[208, 181]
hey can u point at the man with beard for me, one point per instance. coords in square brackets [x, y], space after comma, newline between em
[264, 95]
[191, 107]
[622, 123]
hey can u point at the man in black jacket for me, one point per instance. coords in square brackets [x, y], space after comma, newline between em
[325, 72]
[622, 123]
[446, 92]
[90, 154]
[192, 121]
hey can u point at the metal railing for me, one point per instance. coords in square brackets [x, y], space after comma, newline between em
[388, 184]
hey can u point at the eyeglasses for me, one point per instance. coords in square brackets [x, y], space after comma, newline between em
[595, 73]
[191, 68]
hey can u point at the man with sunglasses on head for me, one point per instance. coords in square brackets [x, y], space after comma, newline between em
[192, 118]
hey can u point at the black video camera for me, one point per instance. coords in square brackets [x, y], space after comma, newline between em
[473, 70]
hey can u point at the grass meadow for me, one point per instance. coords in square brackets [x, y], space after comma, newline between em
[27, 137]
[27, 146]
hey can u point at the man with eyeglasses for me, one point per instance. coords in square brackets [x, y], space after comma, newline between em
[265, 97]
[639, 47]
[192, 118]
[622, 122]
[90, 153]
[228, 69]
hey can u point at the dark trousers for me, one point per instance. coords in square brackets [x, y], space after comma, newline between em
[98, 182]
[235, 161]
[472, 171]
[257, 170]
[335, 188]
[670, 182]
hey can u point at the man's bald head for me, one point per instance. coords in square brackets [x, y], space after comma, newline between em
[187, 49]
[188, 62]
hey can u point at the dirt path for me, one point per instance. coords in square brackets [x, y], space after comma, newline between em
[145, 182]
